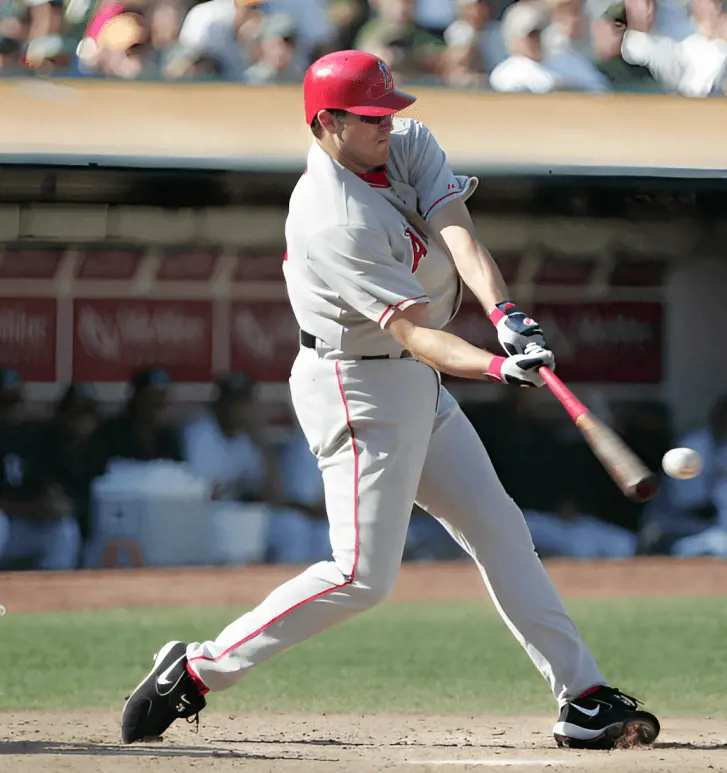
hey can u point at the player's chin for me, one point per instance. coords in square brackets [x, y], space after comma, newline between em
[381, 153]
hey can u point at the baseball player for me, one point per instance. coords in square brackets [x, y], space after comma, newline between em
[379, 242]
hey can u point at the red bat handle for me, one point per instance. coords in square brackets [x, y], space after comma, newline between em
[568, 400]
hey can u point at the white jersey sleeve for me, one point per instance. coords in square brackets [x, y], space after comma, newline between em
[356, 263]
[430, 175]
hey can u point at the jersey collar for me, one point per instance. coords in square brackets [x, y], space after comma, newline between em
[377, 178]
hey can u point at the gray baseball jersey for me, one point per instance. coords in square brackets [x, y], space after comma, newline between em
[353, 258]
[384, 431]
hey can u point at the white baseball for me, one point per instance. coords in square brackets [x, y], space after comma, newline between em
[682, 463]
[2, 610]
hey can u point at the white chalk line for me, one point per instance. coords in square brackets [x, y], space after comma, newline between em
[492, 763]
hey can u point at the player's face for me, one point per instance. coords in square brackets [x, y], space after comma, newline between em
[363, 142]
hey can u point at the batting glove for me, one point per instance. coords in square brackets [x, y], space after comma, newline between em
[514, 330]
[522, 369]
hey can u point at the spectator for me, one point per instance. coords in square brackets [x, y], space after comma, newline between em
[139, 430]
[693, 67]
[411, 52]
[121, 49]
[312, 22]
[164, 26]
[226, 31]
[464, 66]
[298, 532]
[65, 439]
[475, 16]
[567, 29]
[227, 446]
[434, 15]
[346, 18]
[11, 62]
[607, 32]
[522, 28]
[277, 62]
[565, 46]
[50, 55]
[38, 529]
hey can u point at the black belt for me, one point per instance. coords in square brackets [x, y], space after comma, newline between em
[309, 341]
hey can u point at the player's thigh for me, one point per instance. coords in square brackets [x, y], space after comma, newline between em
[459, 485]
[369, 425]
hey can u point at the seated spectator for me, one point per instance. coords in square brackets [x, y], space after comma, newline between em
[277, 62]
[38, 529]
[11, 48]
[313, 25]
[226, 31]
[346, 18]
[691, 507]
[463, 63]
[607, 31]
[165, 23]
[139, 430]
[121, 49]
[567, 29]
[411, 52]
[298, 531]
[476, 17]
[692, 67]
[65, 439]
[434, 15]
[522, 27]
[227, 446]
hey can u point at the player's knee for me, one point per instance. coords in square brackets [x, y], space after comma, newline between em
[371, 591]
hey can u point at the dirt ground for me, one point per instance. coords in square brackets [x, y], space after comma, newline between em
[88, 743]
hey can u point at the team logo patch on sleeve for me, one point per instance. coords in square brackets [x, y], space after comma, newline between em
[418, 247]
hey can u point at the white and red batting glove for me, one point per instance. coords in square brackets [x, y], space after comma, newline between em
[522, 369]
[515, 330]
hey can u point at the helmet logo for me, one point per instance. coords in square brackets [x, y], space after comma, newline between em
[388, 77]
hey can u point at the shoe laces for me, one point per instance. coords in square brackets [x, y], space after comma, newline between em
[630, 701]
[194, 720]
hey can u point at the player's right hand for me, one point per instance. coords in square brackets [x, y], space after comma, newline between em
[522, 369]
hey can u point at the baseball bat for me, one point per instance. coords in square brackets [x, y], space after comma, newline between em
[629, 473]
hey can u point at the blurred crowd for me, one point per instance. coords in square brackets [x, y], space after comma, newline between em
[646, 46]
[51, 463]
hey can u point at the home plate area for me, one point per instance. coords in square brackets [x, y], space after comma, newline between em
[86, 742]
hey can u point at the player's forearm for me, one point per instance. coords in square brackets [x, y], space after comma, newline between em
[475, 265]
[483, 276]
[445, 352]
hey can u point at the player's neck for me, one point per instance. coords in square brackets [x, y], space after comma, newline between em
[344, 159]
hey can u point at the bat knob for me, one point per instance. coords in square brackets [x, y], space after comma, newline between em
[645, 489]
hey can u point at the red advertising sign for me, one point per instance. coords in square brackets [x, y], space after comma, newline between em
[264, 339]
[28, 337]
[255, 268]
[112, 338]
[30, 263]
[607, 342]
[196, 265]
[108, 264]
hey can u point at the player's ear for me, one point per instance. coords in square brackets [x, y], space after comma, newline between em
[327, 121]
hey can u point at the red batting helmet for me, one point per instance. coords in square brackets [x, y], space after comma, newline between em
[354, 81]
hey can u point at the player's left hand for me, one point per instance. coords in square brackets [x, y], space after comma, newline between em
[522, 369]
[515, 330]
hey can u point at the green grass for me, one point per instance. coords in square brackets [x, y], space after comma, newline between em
[435, 658]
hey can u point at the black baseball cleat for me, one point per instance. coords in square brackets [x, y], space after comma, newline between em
[605, 718]
[168, 693]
